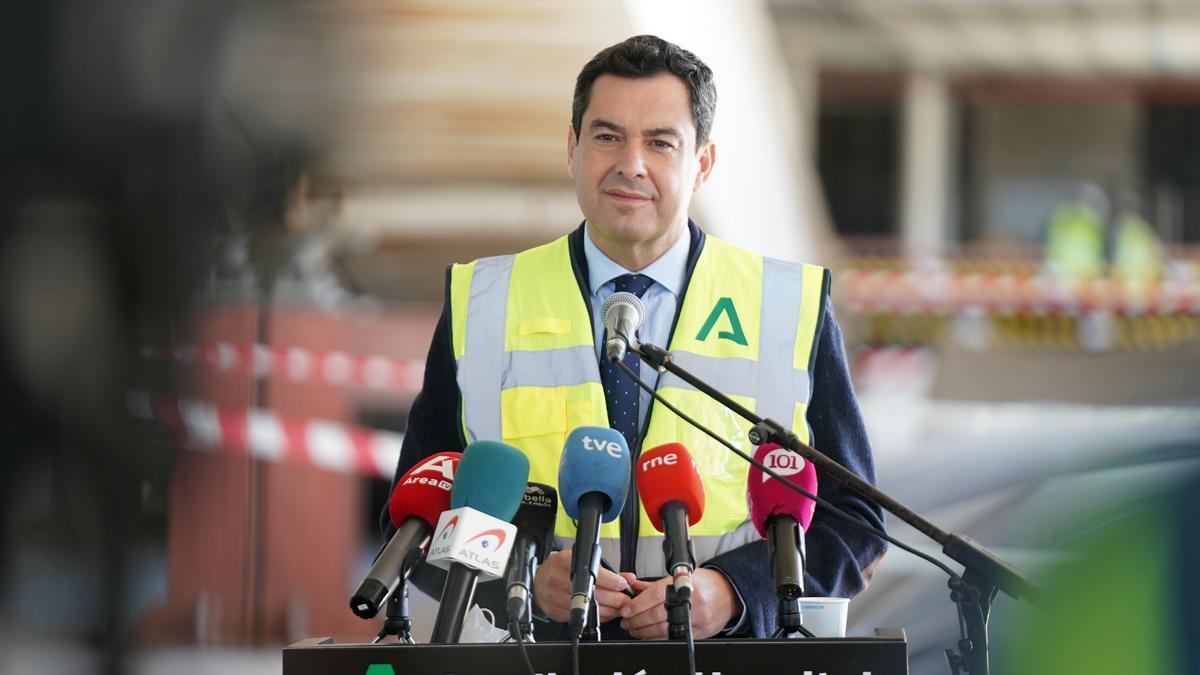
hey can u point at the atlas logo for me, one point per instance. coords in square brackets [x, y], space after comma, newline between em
[611, 447]
[473, 558]
[447, 530]
[783, 462]
[488, 539]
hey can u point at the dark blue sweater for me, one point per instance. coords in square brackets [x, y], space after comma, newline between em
[836, 551]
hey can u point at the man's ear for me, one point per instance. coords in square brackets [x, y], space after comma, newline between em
[572, 142]
[707, 157]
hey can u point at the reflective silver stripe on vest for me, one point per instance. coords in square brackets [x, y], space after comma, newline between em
[778, 389]
[550, 367]
[479, 372]
[743, 377]
[650, 560]
[651, 563]
[610, 548]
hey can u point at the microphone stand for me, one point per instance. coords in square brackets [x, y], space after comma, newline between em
[591, 629]
[787, 596]
[398, 621]
[984, 573]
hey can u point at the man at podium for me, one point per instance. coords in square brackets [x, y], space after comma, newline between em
[515, 357]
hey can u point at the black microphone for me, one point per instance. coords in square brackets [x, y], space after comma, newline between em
[535, 527]
[418, 499]
[622, 314]
[593, 477]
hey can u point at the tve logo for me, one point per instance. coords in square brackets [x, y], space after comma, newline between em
[611, 447]
[783, 462]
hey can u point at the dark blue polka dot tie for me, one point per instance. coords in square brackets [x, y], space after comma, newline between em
[620, 392]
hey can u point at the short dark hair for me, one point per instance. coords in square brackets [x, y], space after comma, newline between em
[645, 56]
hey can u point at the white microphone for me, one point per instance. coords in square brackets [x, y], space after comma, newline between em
[622, 314]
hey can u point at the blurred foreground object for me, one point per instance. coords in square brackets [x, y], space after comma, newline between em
[1125, 601]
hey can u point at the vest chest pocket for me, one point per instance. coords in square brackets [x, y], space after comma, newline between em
[533, 411]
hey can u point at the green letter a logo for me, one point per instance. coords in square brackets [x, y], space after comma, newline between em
[734, 334]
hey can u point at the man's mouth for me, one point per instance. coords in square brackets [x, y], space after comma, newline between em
[626, 197]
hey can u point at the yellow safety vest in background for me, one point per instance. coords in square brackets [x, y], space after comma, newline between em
[528, 370]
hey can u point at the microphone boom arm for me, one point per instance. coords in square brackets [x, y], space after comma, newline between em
[984, 572]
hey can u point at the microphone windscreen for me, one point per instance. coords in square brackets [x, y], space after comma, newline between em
[594, 459]
[666, 474]
[619, 302]
[537, 513]
[770, 498]
[491, 479]
[424, 490]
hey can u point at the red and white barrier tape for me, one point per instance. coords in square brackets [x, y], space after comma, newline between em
[910, 291]
[266, 435]
[296, 364]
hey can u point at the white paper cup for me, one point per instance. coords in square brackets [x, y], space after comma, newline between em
[825, 617]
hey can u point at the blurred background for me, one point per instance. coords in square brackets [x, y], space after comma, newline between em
[225, 227]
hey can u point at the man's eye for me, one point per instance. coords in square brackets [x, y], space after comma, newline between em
[663, 145]
[605, 138]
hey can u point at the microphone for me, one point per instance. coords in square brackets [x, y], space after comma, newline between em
[474, 537]
[593, 479]
[535, 527]
[418, 499]
[782, 516]
[672, 493]
[622, 314]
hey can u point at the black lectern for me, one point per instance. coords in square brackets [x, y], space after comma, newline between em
[884, 654]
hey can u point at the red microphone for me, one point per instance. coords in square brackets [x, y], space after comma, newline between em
[672, 493]
[417, 501]
[781, 516]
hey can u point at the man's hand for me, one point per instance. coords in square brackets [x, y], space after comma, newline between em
[714, 604]
[552, 589]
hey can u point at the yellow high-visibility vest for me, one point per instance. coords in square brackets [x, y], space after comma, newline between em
[528, 370]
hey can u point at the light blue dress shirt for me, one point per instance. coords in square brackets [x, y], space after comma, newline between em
[660, 300]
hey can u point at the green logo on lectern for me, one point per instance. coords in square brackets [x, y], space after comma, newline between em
[380, 669]
[734, 334]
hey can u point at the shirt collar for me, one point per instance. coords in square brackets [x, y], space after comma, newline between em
[667, 271]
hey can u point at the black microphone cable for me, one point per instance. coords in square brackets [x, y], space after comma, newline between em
[514, 627]
[955, 580]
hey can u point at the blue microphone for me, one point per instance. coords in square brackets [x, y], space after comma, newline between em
[490, 479]
[593, 480]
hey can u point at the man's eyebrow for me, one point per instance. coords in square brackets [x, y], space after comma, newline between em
[613, 126]
[605, 124]
[664, 131]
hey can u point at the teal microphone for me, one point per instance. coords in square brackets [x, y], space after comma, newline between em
[490, 479]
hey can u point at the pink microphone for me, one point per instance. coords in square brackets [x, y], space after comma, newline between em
[769, 498]
[781, 516]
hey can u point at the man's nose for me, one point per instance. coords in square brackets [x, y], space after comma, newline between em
[632, 162]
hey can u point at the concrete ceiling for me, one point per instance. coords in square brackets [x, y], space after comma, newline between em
[1041, 37]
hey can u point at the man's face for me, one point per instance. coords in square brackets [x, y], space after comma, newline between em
[635, 162]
